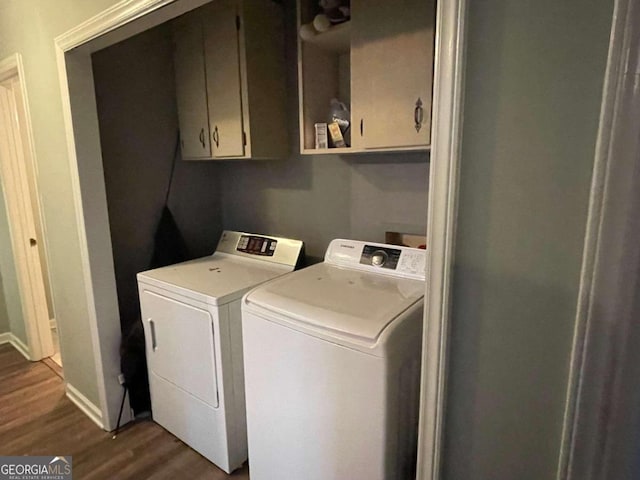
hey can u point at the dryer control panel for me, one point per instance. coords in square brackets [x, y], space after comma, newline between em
[257, 245]
[378, 257]
[285, 251]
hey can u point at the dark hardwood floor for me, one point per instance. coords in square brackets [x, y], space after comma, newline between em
[36, 418]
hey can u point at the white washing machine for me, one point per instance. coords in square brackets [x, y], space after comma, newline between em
[192, 321]
[332, 366]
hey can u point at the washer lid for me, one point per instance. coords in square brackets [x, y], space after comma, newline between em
[217, 279]
[340, 301]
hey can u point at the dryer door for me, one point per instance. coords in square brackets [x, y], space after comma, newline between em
[180, 341]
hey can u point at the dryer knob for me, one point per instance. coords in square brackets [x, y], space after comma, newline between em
[378, 258]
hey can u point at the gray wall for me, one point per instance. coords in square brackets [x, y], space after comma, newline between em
[321, 197]
[533, 88]
[135, 93]
[11, 318]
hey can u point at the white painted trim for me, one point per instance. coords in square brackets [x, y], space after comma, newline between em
[448, 98]
[106, 21]
[36, 175]
[31, 150]
[18, 344]
[115, 23]
[84, 404]
[23, 215]
[21, 347]
[585, 347]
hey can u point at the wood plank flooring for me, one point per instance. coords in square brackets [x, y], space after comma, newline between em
[36, 418]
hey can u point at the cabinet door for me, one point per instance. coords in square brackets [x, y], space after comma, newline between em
[191, 92]
[392, 72]
[222, 54]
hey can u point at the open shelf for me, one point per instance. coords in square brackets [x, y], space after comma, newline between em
[326, 151]
[324, 73]
[355, 150]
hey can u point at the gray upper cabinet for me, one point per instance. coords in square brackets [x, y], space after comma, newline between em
[392, 73]
[224, 87]
[239, 67]
[191, 89]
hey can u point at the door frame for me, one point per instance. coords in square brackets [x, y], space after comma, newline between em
[24, 221]
[592, 419]
[130, 17]
[446, 134]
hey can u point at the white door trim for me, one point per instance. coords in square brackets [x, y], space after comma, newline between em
[590, 367]
[448, 98]
[73, 55]
[23, 211]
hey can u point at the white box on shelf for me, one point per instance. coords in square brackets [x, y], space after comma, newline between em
[321, 135]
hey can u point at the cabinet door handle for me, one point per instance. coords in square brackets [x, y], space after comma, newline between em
[202, 137]
[216, 136]
[418, 114]
[33, 242]
[361, 126]
[154, 344]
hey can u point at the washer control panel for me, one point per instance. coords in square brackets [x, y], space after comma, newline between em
[378, 257]
[383, 257]
[256, 245]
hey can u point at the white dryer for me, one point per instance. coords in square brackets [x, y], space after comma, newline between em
[332, 366]
[192, 321]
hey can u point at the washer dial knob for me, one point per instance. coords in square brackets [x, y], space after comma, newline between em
[378, 258]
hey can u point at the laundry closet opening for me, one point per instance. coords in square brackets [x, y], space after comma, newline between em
[130, 162]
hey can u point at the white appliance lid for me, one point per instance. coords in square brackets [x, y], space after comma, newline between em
[340, 301]
[220, 277]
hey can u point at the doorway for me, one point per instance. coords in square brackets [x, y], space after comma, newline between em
[26, 228]
[128, 18]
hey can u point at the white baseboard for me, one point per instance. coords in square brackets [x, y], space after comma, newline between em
[18, 344]
[84, 404]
